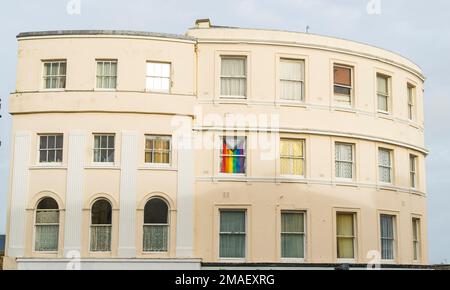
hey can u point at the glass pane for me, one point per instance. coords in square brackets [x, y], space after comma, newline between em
[384, 157]
[47, 217]
[111, 141]
[51, 156]
[387, 226]
[110, 157]
[43, 142]
[100, 238]
[292, 246]
[232, 246]
[156, 212]
[51, 142]
[292, 222]
[104, 141]
[59, 141]
[47, 203]
[233, 67]
[59, 155]
[232, 221]
[43, 156]
[62, 68]
[291, 69]
[101, 213]
[291, 90]
[155, 238]
[97, 141]
[46, 239]
[345, 248]
[382, 103]
[382, 85]
[345, 224]
[342, 76]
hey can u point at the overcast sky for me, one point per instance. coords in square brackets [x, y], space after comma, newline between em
[418, 30]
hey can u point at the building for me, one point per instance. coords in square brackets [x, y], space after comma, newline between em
[222, 147]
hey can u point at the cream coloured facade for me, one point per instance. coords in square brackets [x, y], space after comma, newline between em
[224, 146]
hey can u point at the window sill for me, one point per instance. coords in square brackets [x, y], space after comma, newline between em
[110, 166]
[289, 103]
[345, 182]
[48, 166]
[105, 90]
[292, 260]
[346, 261]
[52, 90]
[157, 168]
[344, 109]
[157, 92]
[386, 186]
[232, 260]
[385, 115]
[232, 100]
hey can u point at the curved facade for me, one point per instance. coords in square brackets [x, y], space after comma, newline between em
[224, 145]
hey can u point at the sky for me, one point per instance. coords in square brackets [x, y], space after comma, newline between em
[416, 29]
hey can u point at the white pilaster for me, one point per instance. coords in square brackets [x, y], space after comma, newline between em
[19, 193]
[74, 192]
[185, 192]
[128, 188]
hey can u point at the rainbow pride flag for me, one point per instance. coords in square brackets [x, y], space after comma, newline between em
[233, 157]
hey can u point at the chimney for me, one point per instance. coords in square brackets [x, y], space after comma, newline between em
[202, 23]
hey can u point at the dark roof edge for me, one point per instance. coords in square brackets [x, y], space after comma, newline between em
[104, 32]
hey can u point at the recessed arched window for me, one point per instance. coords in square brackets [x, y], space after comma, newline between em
[156, 226]
[47, 226]
[101, 226]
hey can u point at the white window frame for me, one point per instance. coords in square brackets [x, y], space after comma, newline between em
[413, 171]
[245, 233]
[103, 61]
[46, 224]
[244, 77]
[99, 163]
[291, 157]
[169, 78]
[352, 162]
[58, 76]
[166, 225]
[100, 225]
[304, 233]
[152, 151]
[388, 96]
[411, 99]
[302, 82]
[351, 68]
[354, 237]
[394, 236]
[391, 165]
[47, 163]
[417, 244]
[221, 155]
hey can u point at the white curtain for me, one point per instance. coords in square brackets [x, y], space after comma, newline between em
[292, 235]
[387, 237]
[233, 77]
[291, 79]
[158, 77]
[155, 238]
[344, 160]
[101, 238]
[47, 230]
[384, 162]
[232, 234]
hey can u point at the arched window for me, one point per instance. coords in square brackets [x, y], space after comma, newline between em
[156, 226]
[47, 226]
[101, 225]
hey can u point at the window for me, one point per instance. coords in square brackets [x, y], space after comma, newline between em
[343, 87]
[50, 148]
[233, 155]
[104, 148]
[101, 226]
[412, 171]
[106, 74]
[292, 157]
[55, 74]
[416, 238]
[344, 160]
[158, 149]
[385, 165]
[345, 231]
[233, 77]
[383, 93]
[158, 77]
[293, 235]
[232, 234]
[387, 225]
[47, 226]
[292, 79]
[411, 101]
[156, 226]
